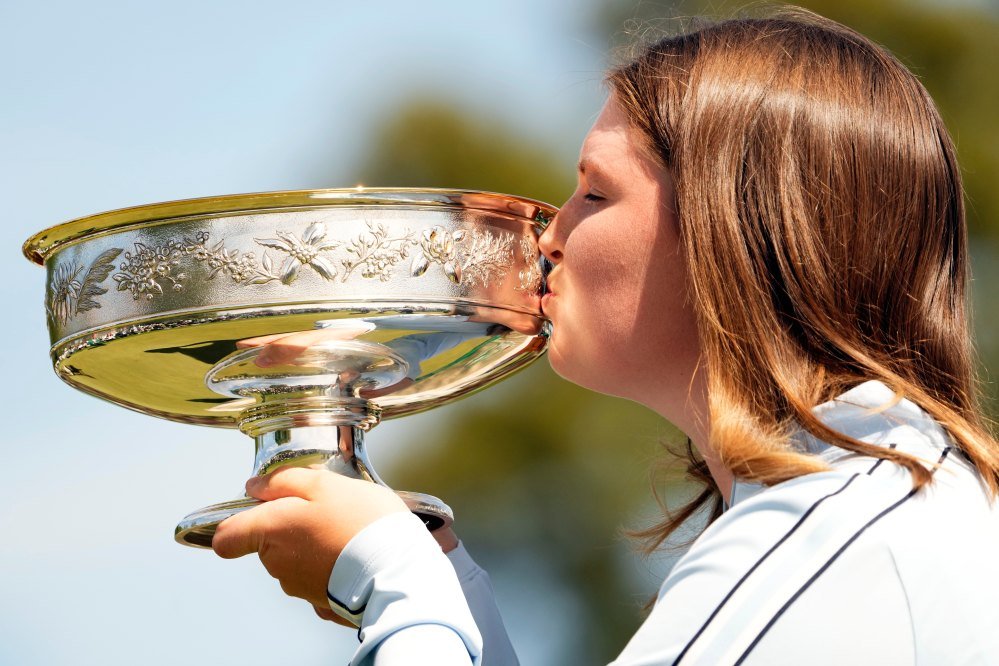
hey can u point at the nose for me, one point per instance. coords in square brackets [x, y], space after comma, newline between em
[549, 242]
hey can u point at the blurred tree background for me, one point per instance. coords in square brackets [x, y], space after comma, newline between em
[543, 475]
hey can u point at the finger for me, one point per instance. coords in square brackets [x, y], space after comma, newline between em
[287, 482]
[324, 613]
[241, 534]
[446, 538]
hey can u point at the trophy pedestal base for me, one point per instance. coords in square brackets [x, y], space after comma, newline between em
[434, 513]
[198, 528]
[311, 415]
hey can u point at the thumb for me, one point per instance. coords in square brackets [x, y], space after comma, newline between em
[240, 534]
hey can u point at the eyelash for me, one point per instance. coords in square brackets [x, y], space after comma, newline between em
[589, 196]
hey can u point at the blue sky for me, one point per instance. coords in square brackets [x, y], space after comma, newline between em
[112, 104]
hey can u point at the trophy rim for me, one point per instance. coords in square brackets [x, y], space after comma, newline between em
[42, 245]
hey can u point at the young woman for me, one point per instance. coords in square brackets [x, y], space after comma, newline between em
[766, 247]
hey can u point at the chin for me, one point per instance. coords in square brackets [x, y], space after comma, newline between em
[580, 372]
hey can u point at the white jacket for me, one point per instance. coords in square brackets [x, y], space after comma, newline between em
[844, 566]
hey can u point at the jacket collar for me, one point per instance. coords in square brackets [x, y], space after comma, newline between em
[871, 412]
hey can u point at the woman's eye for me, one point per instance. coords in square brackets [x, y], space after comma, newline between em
[590, 196]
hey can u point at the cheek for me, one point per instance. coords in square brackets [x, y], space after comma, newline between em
[594, 319]
[605, 268]
[619, 261]
[603, 308]
[627, 308]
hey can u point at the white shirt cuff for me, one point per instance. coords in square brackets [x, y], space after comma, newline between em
[393, 575]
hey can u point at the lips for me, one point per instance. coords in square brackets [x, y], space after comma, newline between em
[549, 294]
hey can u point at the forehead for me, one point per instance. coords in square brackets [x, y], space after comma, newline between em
[612, 143]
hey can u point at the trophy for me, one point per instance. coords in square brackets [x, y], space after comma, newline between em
[302, 318]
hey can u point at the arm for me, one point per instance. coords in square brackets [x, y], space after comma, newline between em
[429, 612]
[391, 577]
[497, 649]
[394, 580]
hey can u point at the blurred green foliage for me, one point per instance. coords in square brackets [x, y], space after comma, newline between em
[952, 46]
[431, 142]
[544, 472]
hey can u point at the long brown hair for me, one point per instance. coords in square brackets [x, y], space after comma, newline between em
[821, 212]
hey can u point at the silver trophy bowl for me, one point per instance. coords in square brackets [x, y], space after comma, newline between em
[302, 318]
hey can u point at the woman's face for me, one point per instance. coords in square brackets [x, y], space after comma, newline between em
[621, 321]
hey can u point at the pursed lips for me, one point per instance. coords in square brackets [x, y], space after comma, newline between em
[549, 294]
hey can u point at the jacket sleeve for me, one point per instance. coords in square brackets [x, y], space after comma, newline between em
[478, 590]
[414, 644]
[393, 580]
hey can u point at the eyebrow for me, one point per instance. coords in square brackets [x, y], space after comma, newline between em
[585, 166]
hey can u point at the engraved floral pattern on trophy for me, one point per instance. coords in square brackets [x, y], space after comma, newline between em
[241, 267]
[148, 270]
[69, 296]
[305, 251]
[376, 252]
[530, 276]
[487, 255]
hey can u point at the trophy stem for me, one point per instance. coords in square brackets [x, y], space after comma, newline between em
[307, 431]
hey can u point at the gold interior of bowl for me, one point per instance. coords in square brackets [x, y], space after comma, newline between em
[161, 371]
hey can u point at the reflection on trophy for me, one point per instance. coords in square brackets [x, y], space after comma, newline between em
[301, 318]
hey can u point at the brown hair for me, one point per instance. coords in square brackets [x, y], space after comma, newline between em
[822, 217]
